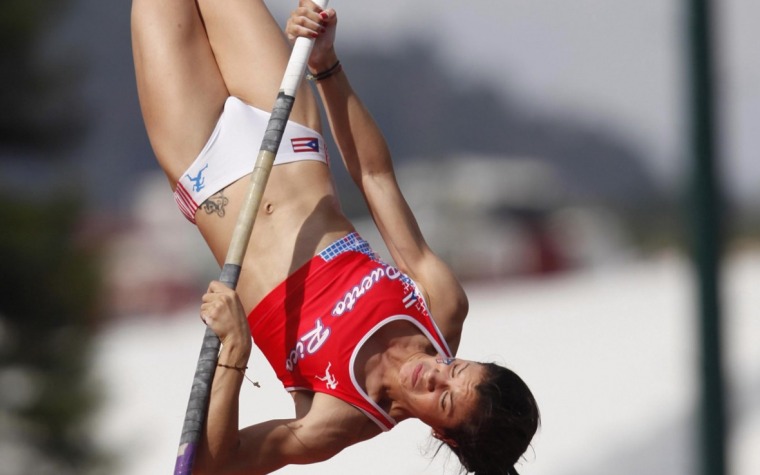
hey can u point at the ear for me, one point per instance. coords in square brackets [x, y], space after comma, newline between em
[443, 438]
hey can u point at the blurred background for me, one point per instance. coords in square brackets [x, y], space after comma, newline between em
[545, 149]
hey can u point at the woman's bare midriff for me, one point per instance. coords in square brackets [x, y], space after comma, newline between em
[298, 217]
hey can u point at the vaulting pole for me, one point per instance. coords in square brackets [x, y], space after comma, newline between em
[200, 391]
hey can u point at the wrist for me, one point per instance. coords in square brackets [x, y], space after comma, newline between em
[321, 75]
[323, 63]
[236, 350]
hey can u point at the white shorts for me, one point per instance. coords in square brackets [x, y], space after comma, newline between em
[231, 152]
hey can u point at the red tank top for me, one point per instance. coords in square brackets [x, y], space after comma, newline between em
[312, 326]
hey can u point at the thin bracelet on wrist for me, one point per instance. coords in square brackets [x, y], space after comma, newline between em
[237, 368]
[241, 370]
[335, 68]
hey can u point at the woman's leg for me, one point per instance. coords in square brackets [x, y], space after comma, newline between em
[252, 52]
[180, 87]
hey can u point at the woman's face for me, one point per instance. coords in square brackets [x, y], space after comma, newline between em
[441, 391]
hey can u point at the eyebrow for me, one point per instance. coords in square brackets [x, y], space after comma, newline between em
[463, 368]
[451, 394]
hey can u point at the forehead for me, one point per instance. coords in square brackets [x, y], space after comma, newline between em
[465, 396]
[470, 370]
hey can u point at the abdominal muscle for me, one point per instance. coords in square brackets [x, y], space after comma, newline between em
[299, 216]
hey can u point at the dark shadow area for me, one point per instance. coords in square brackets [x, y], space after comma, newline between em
[49, 306]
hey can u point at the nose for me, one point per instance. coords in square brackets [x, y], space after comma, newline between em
[435, 379]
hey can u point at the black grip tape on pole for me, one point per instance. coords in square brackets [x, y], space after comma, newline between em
[277, 122]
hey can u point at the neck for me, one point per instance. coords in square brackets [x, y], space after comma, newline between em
[379, 364]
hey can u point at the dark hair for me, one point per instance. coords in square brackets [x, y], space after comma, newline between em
[505, 420]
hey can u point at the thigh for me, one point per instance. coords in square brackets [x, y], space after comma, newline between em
[180, 87]
[252, 52]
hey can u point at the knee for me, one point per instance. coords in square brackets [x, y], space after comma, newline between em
[166, 15]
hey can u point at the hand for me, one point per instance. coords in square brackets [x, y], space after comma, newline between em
[310, 21]
[223, 312]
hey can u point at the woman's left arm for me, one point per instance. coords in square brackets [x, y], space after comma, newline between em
[403, 237]
[368, 161]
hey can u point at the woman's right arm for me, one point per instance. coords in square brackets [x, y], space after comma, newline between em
[261, 448]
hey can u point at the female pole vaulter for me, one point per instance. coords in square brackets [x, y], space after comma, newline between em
[360, 344]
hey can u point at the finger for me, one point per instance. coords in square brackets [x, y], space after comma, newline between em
[309, 5]
[297, 31]
[212, 307]
[221, 291]
[305, 25]
[327, 16]
[216, 286]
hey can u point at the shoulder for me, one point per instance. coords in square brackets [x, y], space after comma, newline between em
[445, 297]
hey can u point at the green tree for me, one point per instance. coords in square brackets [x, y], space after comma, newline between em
[47, 317]
[40, 111]
[48, 270]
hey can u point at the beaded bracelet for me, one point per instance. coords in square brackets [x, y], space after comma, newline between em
[335, 68]
[242, 371]
[239, 368]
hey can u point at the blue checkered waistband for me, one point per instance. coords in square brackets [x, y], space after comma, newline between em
[350, 242]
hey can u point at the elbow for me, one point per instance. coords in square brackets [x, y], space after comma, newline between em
[463, 304]
[201, 469]
[206, 464]
[206, 467]
[461, 316]
[210, 469]
[460, 304]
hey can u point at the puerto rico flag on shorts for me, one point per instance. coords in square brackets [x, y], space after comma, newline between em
[305, 144]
